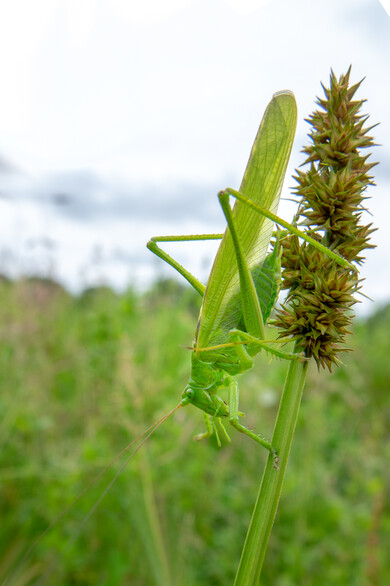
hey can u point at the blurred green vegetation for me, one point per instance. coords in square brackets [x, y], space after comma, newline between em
[81, 377]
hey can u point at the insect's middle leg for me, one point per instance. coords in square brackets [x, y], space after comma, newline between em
[153, 247]
[234, 420]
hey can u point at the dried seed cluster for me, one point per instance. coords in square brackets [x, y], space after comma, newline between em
[331, 193]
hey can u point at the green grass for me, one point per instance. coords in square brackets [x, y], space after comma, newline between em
[81, 377]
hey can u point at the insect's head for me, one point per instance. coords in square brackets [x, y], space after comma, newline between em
[202, 388]
[203, 399]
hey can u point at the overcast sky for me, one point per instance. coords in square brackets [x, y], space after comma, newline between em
[122, 119]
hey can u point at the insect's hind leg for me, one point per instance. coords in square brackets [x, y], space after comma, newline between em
[239, 337]
[234, 421]
[343, 262]
[251, 310]
[153, 247]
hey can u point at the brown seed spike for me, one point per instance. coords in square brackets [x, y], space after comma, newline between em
[317, 311]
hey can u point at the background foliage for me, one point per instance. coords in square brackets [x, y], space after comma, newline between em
[81, 377]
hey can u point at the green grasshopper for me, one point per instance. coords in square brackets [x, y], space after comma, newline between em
[244, 281]
[241, 291]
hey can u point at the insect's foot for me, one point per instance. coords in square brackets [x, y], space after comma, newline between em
[201, 436]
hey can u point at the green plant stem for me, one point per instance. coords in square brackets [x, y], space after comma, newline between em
[159, 559]
[256, 541]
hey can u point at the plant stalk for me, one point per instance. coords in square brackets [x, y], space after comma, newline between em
[256, 541]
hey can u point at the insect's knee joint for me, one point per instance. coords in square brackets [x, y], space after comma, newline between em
[223, 196]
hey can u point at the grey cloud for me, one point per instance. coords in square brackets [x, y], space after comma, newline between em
[83, 196]
[382, 171]
[6, 167]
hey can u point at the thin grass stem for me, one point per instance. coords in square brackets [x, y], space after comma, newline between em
[256, 542]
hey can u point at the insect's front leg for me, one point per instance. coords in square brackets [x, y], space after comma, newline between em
[234, 421]
[211, 428]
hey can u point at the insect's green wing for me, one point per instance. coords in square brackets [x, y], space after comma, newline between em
[262, 183]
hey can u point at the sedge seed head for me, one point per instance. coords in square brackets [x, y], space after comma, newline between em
[330, 192]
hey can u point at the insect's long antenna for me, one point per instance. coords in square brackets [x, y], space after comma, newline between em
[148, 433]
[145, 435]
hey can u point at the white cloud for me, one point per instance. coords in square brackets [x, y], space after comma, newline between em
[148, 11]
[247, 6]
[386, 5]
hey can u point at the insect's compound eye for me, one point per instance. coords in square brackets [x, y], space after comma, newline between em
[188, 394]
